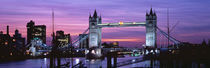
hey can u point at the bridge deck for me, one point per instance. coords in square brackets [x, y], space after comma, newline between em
[121, 24]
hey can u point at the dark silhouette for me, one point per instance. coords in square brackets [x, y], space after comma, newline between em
[35, 31]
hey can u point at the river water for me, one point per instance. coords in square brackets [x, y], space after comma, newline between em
[44, 63]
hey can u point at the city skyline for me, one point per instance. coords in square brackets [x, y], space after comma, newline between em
[72, 17]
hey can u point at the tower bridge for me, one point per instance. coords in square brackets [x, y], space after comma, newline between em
[95, 26]
[94, 35]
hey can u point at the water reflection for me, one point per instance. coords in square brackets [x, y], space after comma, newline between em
[94, 63]
[44, 63]
[77, 60]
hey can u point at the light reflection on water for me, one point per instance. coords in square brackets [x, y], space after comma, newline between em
[44, 63]
[77, 60]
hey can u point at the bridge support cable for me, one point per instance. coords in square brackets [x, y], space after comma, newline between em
[75, 42]
[77, 38]
[175, 41]
[85, 32]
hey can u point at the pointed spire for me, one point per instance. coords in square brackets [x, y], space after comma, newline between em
[53, 15]
[89, 15]
[100, 17]
[154, 13]
[151, 13]
[147, 14]
[95, 14]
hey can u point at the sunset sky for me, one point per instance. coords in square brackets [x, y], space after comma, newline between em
[72, 17]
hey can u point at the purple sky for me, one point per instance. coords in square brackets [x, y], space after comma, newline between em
[72, 17]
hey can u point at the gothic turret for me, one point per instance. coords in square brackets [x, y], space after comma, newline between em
[151, 15]
[89, 15]
[95, 17]
[95, 14]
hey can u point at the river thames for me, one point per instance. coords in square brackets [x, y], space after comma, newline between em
[44, 63]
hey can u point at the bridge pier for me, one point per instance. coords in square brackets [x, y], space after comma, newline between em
[109, 62]
[110, 56]
[115, 61]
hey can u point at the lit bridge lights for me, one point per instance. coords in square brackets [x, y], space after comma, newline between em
[121, 24]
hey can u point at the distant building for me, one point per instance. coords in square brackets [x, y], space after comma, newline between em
[18, 41]
[5, 44]
[35, 31]
[110, 45]
[11, 46]
[85, 41]
[5, 39]
[62, 40]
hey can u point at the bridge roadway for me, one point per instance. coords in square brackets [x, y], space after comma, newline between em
[122, 24]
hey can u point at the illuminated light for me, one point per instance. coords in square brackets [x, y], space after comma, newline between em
[45, 54]
[93, 52]
[151, 51]
[134, 22]
[115, 43]
[63, 40]
[27, 53]
[13, 40]
[10, 54]
[86, 51]
[121, 23]
[6, 43]
[122, 40]
[133, 60]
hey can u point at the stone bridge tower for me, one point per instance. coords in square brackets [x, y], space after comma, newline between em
[94, 31]
[151, 24]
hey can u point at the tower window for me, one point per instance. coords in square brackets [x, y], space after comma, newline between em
[93, 24]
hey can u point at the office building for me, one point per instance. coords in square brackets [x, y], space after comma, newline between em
[35, 31]
[62, 40]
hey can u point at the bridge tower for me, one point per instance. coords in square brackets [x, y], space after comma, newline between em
[151, 35]
[94, 37]
[94, 31]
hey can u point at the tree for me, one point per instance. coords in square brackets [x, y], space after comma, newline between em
[204, 42]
